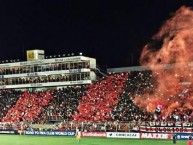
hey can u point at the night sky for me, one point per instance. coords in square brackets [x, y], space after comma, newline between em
[113, 32]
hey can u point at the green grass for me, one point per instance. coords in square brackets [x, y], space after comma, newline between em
[54, 140]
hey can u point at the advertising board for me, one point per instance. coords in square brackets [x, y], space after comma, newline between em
[8, 131]
[93, 134]
[155, 136]
[122, 135]
[183, 136]
[166, 129]
[51, 133]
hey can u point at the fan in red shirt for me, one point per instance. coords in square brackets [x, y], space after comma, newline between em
[189, 141]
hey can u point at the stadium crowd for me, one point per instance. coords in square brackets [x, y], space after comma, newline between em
[110, 99]
[28, 106]
[8, 97]
[126, 110]
[64, 103]
[101, 97]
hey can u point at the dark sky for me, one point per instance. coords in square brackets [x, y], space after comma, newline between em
[114, 32]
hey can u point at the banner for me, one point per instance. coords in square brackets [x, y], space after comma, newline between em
[46, 61]
[51, 133]
[122, 135]
[170, 124]
[8, 132]
[55, 72]
[93, 134]
[183, 136]
[166, 129]
[155, 136]
[46, 84]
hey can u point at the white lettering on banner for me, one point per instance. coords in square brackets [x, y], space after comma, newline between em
[166, 129]
[94, 134]
[32, 74]
[76, 82]
[60, 133]
[45, 61]
[155, 136]
[51, 133]
[122, 135]
[67, 59]
[184, 136]
[7, 132]
[74, 70]
[58, 59]
[36, 85]
[46, 84]
[29, 132]
[2, 87]
[71, 133]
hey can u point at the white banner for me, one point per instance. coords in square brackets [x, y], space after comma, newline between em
[70, 71]
[46, 84]
[155, 136]
[166, 129]
[122, 135]
[46, 61]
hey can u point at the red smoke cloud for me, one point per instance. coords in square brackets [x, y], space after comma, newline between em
[173, 45]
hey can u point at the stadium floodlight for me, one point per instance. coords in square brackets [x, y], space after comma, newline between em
[80, 53]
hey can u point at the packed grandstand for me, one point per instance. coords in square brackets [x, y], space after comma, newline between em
[66, 93]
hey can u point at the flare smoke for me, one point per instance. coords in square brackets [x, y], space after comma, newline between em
[172, 45]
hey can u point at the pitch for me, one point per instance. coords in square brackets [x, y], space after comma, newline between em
[54, 140]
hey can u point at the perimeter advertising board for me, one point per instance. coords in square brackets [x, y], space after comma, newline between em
[122, 135]
[93, 134]
[155, 136]
[51, 133]
[184, 136]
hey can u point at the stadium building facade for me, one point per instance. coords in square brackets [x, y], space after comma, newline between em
[61, 71]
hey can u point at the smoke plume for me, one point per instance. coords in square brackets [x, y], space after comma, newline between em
[169, 56]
